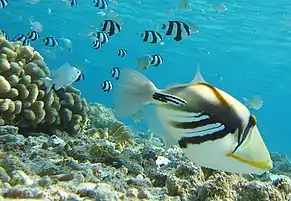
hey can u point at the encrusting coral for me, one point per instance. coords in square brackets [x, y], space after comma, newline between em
[23, 101]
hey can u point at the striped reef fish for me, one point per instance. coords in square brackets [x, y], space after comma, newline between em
[97, 44]
[110, 27]
[101, 4]
[213, 128]
[106, 86]
[22, 38]
[121, 52]
[101, 36]
[50, 41]
[3, 34]
[156, 60]
[151, 36]
[115, 72]
[33, 35]
[3, 3]
[73, 2]
[178, 29]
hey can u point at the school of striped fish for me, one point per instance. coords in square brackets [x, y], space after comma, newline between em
[214, 129]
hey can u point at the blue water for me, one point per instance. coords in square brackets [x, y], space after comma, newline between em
[248, 46]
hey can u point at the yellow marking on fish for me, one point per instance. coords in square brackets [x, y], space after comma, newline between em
[215, 92]
[264, 165]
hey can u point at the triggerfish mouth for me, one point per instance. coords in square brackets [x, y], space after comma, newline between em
[213, 128]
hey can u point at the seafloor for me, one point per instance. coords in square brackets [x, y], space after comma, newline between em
[56, 146]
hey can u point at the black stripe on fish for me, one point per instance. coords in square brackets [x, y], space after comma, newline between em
[101, 4]
[102, 37]
[3, 3]
[115, 73]
[97, 44]
[248, 129]
[50, 41]
[152, 36]
[22, 38]
[227, 124]
[111, 27]
[33, 36]
[3, 33]
[224, 115]
[179, 26]
[106, 86]
[167, 98]
[73, 2]
[156, 60]
[81, 77]
[121, 52]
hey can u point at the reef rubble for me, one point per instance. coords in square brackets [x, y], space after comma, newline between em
[98, 164]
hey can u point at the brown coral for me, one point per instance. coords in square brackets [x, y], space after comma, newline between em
[23, 101]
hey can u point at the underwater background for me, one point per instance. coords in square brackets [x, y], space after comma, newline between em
[68, 144]
[243, 50]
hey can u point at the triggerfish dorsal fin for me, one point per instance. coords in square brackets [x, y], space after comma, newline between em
[198, 76]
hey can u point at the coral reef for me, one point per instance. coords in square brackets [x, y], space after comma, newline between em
[87, 167]
[23, 101]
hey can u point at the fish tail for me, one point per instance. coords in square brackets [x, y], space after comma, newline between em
[132, 93]
[48, 83]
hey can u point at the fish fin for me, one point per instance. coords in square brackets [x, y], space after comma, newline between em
[65, 65]
[157, 128]
[133, 91]
[139, 115]
[198, 76]
[48, 82]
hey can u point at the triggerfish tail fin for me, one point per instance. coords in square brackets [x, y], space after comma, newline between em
[48, 83]
[133, 91]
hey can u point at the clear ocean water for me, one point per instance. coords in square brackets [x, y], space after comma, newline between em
[244, 51]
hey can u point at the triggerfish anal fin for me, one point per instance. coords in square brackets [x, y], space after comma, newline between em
[198, 76]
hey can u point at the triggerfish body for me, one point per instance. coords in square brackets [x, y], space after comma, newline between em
[63, 77]
[213, 128]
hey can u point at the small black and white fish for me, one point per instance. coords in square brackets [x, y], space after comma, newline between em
[3, 34]
[73, 2]
[97, 44]
[178, 29]
[3, 3]
[50, 41]
[110, 27]
[101, 36]
[22, 38]
[156, 60]
[64, 76]
[121, 52]
[106, 86]
[151, 36]
[101, 4]
[32, 36]
[115, 72]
